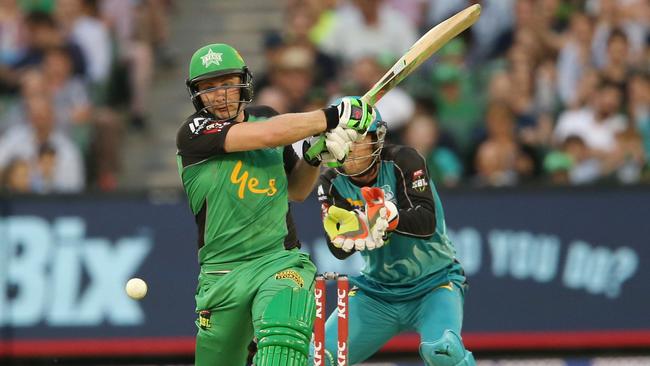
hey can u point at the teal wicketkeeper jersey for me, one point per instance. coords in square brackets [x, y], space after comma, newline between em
[418, 254]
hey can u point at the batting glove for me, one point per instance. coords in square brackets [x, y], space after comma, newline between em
[355, 114]
[336, 147]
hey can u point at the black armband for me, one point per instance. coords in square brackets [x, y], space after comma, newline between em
[332, 117]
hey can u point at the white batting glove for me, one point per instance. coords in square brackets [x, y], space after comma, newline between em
[339, 140]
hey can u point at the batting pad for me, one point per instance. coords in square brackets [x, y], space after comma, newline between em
[285, 329]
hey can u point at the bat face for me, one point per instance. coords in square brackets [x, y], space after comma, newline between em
[421, 50]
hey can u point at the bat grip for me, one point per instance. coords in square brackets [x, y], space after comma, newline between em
[316, 148]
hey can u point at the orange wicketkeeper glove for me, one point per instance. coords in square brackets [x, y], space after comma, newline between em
[382, 215]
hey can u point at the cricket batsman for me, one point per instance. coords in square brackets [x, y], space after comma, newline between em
[382, 204]
[239, 171]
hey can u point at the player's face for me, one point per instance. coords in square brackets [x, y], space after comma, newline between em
[360, 156]
[221, 95]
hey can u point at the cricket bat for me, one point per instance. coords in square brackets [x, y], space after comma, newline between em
[419, 52]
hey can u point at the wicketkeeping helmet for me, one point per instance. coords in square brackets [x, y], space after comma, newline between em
[216, 60]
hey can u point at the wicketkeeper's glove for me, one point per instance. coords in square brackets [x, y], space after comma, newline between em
[348, 230]
[382, 215]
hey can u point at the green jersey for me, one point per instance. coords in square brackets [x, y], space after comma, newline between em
[239, 199]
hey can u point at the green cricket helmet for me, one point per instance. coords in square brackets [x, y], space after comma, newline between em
[215, 60]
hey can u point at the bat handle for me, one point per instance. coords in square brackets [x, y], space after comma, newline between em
[316, 148]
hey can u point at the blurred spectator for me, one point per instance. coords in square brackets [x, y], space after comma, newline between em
[274, 98]
[13, 44]
[550, 25]
[273, 47]
[45, 6]
[572, 164]
[23, 141]
[629, 158]
[496, 19]
[538, 135]
[44, 174]
[587, 86]
[71, 101]
[16, 177]
[459, 109]
[293, 74]
[414, 10]
[639, 108]
[629, 15]
[159, 12]
[598, 123]
[444, 167]
[106, 145]
[521, 32]
[453, 53]
[616, 70]
[396, 106]
[325, 13]
[439, 10]
[557, 165]
[95, 131]
[546, 99]
[32, 83]
[300, 20]
[498, 157]
[574, 58]
[498, 89]
[369, 28]
[12, 33]
[42, 34]
[522, 88]
[79, 19]
[139, 27]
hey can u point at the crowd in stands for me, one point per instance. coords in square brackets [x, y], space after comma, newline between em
[74, 74]
[536, 92]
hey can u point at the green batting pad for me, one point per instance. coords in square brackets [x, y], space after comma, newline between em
[285, 329]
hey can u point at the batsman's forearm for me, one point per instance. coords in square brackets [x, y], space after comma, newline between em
[288, 128]
[281, 130]
[302, 180]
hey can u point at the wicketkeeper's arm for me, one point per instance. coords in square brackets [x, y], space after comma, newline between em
[415, 202]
